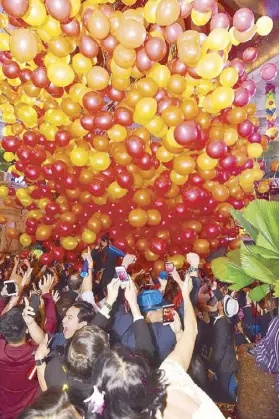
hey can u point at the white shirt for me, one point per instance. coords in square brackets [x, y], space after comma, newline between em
[185, 400]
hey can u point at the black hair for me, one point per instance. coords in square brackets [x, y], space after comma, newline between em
[12, 325]
[86, 311]
[83, 349]
[132, 390]
[75, 281]
[65, 301]
[52, 404]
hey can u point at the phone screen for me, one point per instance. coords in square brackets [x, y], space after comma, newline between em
[168, 313]
[169, 267]
[122, 274]
[11, 287]
[34, 303]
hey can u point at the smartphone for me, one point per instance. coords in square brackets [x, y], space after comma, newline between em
[168, 313]
[11, 287]
[122, 275]
[169, 267]
[34, 302]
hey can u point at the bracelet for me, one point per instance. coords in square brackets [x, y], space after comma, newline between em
[192, 269]
[40, 362]
[108, 306]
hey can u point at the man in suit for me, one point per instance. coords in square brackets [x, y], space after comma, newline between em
[223, 363]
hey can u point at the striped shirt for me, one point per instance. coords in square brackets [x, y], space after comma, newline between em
[268, 350]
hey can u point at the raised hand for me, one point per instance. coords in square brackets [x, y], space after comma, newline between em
[55, 296]
[131, 294]
[87, 256]
[128, 260]
[193, 259]
[28, 313]
[45, 284]
[113, 290]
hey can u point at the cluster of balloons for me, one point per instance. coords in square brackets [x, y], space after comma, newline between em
[129, 117]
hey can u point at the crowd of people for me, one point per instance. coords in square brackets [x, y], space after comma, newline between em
[94, 346]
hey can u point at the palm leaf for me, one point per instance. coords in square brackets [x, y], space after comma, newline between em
[239, 217]
[263, 215]
[235, 256]
[265, 253]
[256, 267]
[219, 268]
[236, 274]
[259, 292]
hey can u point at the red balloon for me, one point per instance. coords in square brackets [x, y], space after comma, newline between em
[255, 138]
[145, 162]
[58, 253]
[123, 116]
[250, 55]
[32, 172]
[47, 171]
[97, 187]
[228, 163]
[10, 143]
[135, 146]
[125, 179]
[88, 122]
[162, 184]
[216, 149]
[64, 229]
[212, 230]
[93, 102]
[192, 196]
[238, 65]
[30, 138]
[104, 120]
[52, 208]
[250, 85]
[40, 78]
[62, 138]
[158, 246]
[195, 179]
[59, 168]
[11, 70]
[46, 259]
[188, 235]
[186, 133]
[245, 129]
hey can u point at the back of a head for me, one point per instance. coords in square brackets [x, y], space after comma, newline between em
[132, 390]
[75, 281]
[52, 404]
[83, 350]
[12, 325]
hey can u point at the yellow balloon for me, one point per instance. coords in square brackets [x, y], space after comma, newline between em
[218, 39]
[115, 191]
[170, 140]
[230, 136]
[36, 14]
[79, 156]
[150, 11]
[81, 64]
[56, 117]
[23, 45]
[117, 133]
[88, 236]
[155, 126]
[264, 25]
[222, 97]
[160, 74]
[69, 243]
[254, 150]
[200, 19]
[178, 261]
[25, 240]
[60, 74]
[99, 161]
[210, 66]
[8, 156]
[177, 178]
[4, 42]
[4, 191]
[145, 110]
[205, 162]
[138, 218]
[229, 76]
[27, 115]
[164, 155]
[98, 78]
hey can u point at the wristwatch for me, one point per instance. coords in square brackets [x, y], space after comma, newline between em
[192, 269]
[40, 362]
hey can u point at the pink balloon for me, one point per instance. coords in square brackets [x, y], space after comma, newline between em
[250, 85]
[173, 32]
[238, 65]
[243, 19]
[186, 8]
[221, 20]
[203, 5]
[242, 97]
[250, 55]
[269, 72]
[246, 128]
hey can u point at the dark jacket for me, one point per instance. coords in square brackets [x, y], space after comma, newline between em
[223, 359]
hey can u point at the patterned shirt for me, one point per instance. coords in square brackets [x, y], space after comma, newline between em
[268, 350]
